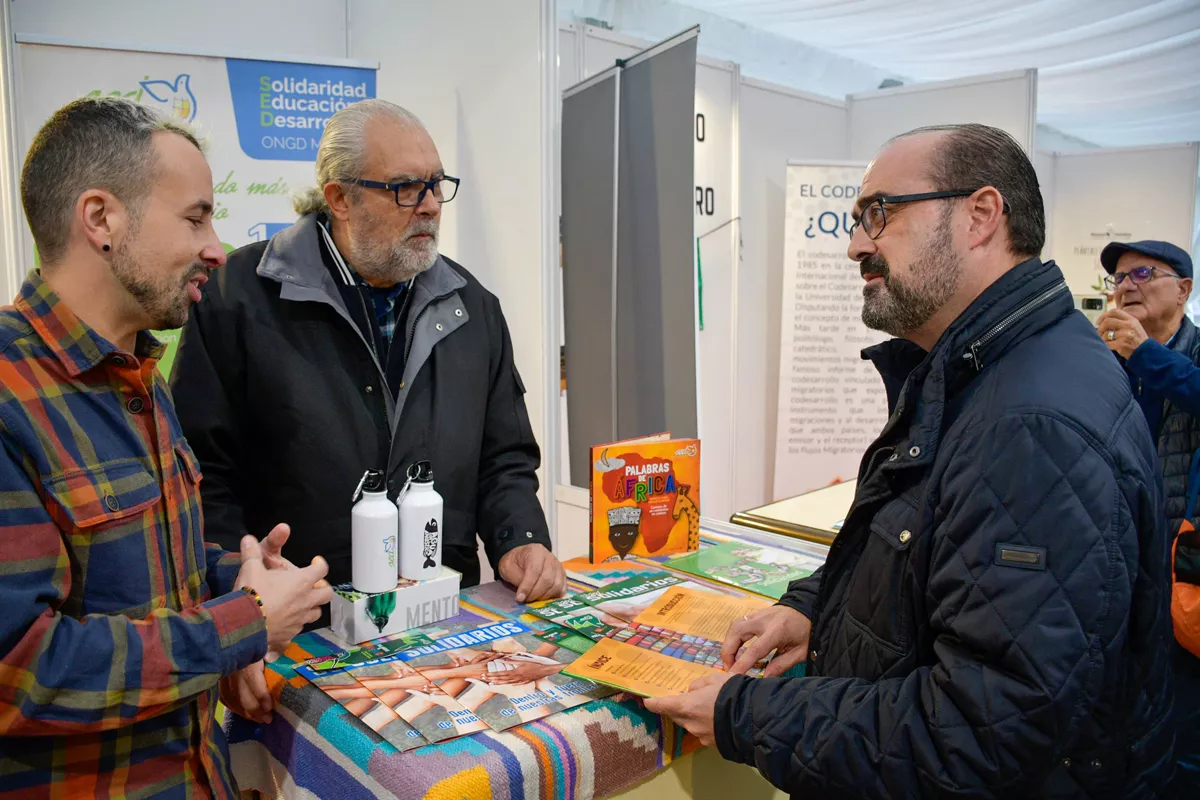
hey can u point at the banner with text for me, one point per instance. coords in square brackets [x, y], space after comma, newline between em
[832, 404]
[262, 121]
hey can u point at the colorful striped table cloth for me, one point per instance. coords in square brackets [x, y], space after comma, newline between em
[315, 749]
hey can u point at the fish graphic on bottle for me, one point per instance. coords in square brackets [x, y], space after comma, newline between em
[420, 525]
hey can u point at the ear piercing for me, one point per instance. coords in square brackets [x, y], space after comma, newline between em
[106, 248]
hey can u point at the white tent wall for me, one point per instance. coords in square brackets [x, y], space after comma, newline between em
[491, 108]
[299, 28]
[1007, 101]
[1120, 194]
[1046, 165]
[777, 124]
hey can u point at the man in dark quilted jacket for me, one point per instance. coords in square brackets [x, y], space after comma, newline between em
[993, 619]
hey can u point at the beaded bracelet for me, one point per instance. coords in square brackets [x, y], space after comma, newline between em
[257, 597]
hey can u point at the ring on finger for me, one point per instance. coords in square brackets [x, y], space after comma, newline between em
[1112, 335]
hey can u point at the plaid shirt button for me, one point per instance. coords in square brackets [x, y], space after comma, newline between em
[112, 502]
[136, 405]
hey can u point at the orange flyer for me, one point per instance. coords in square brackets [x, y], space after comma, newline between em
[700, 614]
[645, 498]
[632, 669]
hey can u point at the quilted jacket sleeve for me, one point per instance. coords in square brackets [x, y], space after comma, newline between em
[802, 594]
[1018, 655]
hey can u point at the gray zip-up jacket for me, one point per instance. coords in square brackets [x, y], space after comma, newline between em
[286, 404]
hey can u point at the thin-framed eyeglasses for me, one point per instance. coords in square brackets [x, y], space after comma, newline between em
[873, 217]
[1138, 275]
[412, 193]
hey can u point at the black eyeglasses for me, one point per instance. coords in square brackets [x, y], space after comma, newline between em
[874, 218]
[1138, 275]
[412, 193]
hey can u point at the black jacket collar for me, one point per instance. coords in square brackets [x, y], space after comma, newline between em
[1028, 298]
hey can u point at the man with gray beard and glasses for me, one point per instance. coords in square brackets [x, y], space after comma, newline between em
[993, 618]
[347, 343]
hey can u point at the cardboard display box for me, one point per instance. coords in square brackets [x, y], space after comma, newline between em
[356, 617]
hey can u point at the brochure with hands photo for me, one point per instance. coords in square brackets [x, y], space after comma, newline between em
[375, 713]
[505, 673]
[417, 699]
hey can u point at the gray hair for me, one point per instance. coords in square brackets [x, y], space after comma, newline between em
[973, 156]
[342, 151]
[90, 143]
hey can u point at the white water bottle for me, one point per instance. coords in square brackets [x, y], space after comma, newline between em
[420, 525]
[373, 537]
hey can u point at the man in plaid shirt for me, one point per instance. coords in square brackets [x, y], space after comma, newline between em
[119, 622]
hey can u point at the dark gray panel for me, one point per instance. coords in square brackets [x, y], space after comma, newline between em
[656, 322]
[589, 118]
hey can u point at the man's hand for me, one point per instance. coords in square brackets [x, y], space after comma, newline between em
[535, 572]
[694, 709]
[291, 597]
[1122, 333]
[272, 547]
[776, 628]
[245, 693]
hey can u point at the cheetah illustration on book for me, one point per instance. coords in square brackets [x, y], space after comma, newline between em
[624, 523]
[430, 547]
[686, 507]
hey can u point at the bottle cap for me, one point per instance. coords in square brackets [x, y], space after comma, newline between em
[373, 480]
[421, 472]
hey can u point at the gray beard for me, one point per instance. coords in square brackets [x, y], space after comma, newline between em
[397, 262]
[900, 307]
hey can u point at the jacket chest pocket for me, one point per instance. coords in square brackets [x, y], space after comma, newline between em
[190, 513]
[880, 594]
[107, 514]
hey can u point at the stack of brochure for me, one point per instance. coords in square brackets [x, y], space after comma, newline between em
[418, 690]
[654, 634]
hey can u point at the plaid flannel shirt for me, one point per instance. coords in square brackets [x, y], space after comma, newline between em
[111, 641]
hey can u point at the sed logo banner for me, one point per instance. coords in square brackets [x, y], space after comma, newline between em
[282, 108]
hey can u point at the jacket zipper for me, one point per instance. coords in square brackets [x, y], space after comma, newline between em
[1007, 322]
[412, 332]
[370, 327]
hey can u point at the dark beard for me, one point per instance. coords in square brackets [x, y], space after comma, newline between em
[166, 304]
[898, 307]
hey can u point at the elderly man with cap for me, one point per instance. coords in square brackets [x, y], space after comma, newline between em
[1160, 348]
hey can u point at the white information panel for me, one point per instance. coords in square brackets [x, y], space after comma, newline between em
[832, 404]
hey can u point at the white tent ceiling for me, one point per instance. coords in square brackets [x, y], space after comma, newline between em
[1113, 72]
